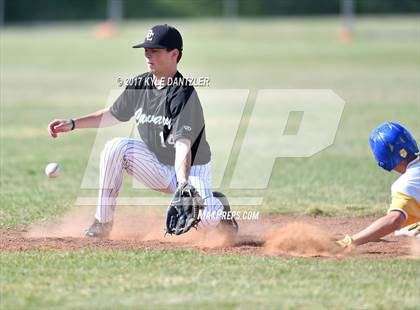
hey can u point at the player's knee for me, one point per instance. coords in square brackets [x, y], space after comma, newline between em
[212, 213]
[113, 147]
[116, 144]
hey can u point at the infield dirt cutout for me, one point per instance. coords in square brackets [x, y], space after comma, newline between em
[282, 236]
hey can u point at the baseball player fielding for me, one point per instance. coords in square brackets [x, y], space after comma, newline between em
[173, 150]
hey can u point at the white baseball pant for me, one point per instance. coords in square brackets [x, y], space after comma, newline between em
[133, 156]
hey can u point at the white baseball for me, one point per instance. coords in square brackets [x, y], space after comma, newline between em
[52, 170]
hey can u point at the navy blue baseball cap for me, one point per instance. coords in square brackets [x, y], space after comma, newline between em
[162, 36]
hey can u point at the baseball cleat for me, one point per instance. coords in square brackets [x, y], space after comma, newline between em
[412, 230]
[99, 230]
[228, 222]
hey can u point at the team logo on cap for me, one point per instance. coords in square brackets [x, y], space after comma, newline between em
[149, 36]
[403, 153]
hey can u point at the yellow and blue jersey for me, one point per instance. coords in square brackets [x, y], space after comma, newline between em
[406, 193]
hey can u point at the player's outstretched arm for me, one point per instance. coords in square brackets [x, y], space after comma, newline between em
[378, 229]
[101, 118]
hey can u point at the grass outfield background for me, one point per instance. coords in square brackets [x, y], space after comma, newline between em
[62, 70]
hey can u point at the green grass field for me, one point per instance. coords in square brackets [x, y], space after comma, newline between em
[90, 279]
[61, 71]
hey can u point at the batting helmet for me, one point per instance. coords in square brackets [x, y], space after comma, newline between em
[391, 143]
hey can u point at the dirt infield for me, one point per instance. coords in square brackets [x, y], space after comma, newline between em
[281, 236]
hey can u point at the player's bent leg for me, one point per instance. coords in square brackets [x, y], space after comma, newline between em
[133, 156]
[228, 222]
[412, 230]
[200, 178]
[111, 172]
[216, 204]
[144, 166]
[212, 213]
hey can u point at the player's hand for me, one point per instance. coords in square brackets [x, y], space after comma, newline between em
[345, 242]
[59, 126]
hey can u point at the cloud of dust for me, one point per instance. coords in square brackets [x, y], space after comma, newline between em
[150, 227]
[73, 224]
[300, 239]
[294, 238]
[289, 237]
[129, 224]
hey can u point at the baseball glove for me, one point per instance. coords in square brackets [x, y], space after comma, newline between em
[184, 209]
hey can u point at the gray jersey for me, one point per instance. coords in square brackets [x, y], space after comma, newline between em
[165, 115]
